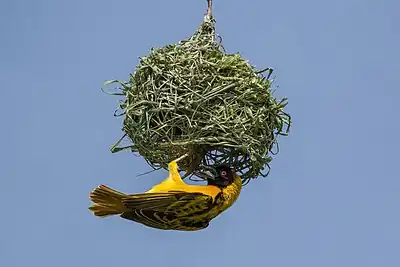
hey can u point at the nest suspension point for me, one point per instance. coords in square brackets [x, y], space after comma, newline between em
[193, 97]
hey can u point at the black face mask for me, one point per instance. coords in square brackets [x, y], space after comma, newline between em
[223, 176]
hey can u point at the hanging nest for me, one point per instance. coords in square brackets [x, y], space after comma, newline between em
[195, 98]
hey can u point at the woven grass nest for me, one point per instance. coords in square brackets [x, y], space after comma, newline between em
[195, 98]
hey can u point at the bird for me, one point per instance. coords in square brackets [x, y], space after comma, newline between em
[172, 204]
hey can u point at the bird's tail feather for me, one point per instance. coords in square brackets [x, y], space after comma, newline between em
[106, 201]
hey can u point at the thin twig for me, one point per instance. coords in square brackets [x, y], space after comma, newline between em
[209, 9]
[182, 157]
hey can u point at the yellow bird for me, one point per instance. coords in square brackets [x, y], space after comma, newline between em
[172, 204]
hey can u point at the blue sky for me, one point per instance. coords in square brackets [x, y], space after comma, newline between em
[332, 198]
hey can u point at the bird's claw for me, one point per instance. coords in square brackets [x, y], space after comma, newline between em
[173, 165]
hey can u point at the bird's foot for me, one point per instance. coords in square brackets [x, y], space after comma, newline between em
[174, 164]
[173, 168]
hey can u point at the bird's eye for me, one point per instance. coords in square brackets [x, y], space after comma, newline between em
[224, 173]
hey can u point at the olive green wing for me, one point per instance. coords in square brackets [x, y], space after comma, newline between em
[172, 210]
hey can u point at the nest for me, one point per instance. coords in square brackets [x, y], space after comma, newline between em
[195, 98]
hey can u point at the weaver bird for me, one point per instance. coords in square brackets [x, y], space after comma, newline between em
[172, 204]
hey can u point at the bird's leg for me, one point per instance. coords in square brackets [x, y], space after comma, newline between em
[173, 169]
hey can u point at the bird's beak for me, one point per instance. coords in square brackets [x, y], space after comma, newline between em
[207, 175]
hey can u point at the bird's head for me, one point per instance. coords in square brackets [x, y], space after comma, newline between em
[224, 176]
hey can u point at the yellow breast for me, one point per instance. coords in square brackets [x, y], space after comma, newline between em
[227, 198]
[231, 192]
